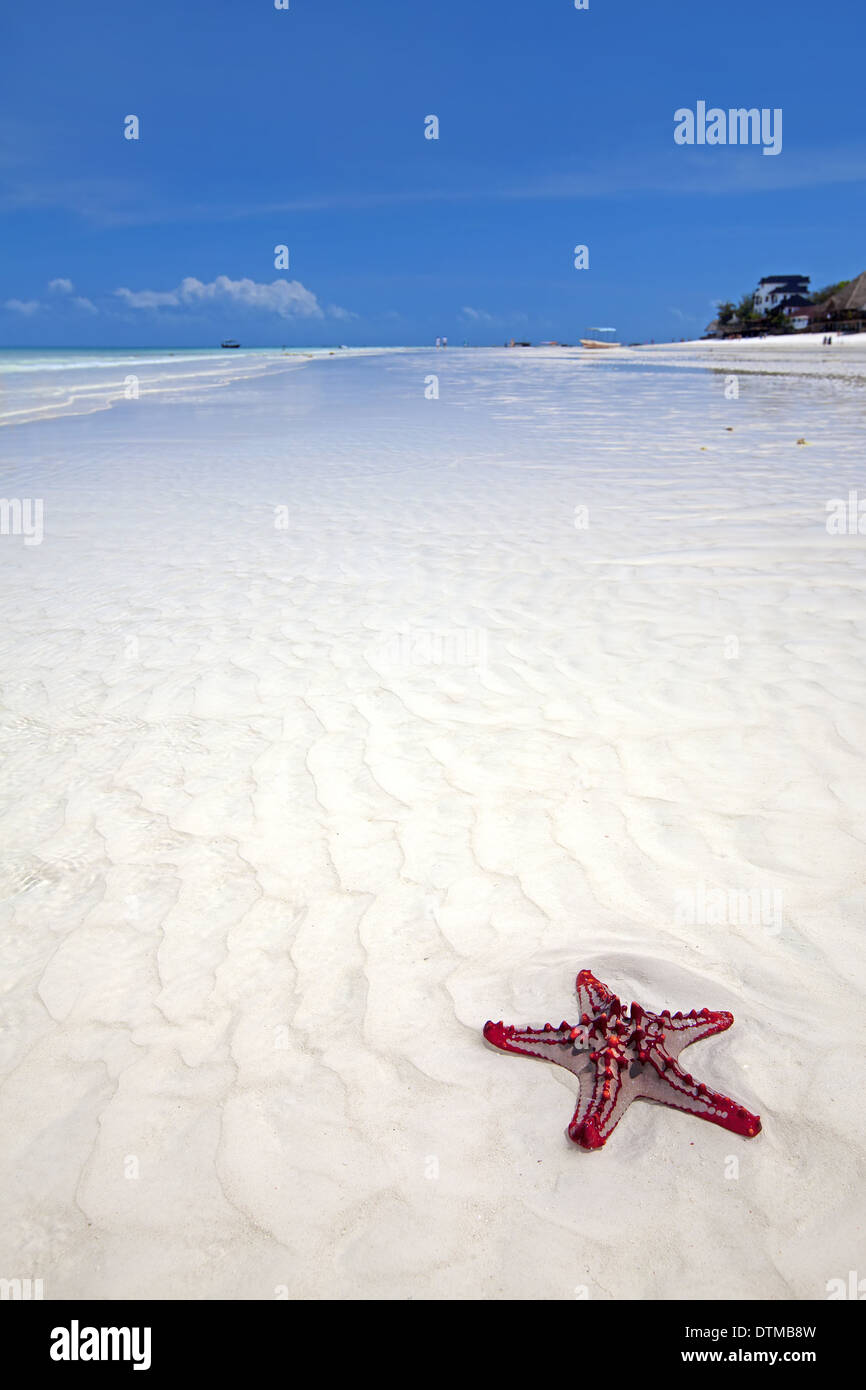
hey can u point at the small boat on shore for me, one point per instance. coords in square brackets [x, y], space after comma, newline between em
[230, 343]
[596, 343]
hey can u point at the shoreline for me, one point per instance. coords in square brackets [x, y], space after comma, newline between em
[220, 368]
[780, 355]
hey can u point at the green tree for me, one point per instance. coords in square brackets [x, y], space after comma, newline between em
[725, 311]
[778, 321]
[820, 295]
[745, 309]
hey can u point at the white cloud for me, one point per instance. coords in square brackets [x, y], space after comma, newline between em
[147, 299]
[476, 315]
[683, 317]
[286, 298]
[65, 287]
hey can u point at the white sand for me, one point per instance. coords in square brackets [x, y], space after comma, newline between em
[779, 354]
[287, 814]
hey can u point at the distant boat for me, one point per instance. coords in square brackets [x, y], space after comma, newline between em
[229, 343]
[596, 343]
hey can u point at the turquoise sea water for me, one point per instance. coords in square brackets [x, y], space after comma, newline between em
[37, 383]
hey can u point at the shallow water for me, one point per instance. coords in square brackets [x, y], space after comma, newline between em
[336, 720]
[43, 383]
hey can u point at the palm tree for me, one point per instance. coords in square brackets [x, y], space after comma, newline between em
[746, 308]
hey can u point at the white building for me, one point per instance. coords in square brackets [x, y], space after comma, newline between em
[774, 289]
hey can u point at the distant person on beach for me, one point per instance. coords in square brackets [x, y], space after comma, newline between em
[444, 342]
[439, 342]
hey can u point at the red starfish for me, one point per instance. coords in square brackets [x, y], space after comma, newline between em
[619, 1057]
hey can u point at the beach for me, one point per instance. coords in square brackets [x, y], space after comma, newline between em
[353, 700]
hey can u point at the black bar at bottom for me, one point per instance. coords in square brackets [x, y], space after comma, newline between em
[158, 1339]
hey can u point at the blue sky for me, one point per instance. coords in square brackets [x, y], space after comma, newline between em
[306, 128]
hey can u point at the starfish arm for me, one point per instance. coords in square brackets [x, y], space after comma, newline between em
[599, 1110]
[559, 1045]
[664, 1080]
[681, 1030]
[592, 996]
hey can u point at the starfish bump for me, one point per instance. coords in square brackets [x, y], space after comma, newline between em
[621, 1055]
